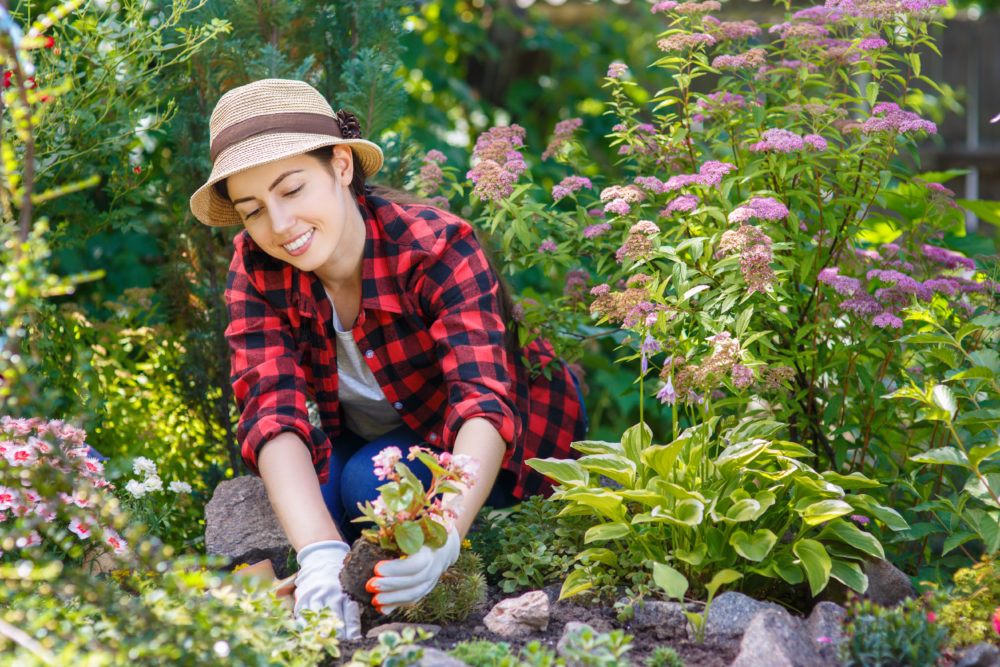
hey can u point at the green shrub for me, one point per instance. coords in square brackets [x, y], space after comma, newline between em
[664, 656]
[975, 598]
[907, 635]
[459, 592]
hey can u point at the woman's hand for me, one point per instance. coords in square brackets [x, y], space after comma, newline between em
[404, 581]
[317, 585]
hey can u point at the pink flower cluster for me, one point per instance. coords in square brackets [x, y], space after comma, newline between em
[763, 208]
[631, 307]
[430, 173]
[562, 134]
[754, 248]
[616, 70]
[639, 243]
[500, 162]
[618, 197]
[888, 117]
[790, 30]
[777, 140]
[722, 103]
[751, 59]
[569, 185]
[683, 203]
[731, 30]
[684, 40]
[34, 445]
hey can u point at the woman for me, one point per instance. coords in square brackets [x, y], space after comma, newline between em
[387, 315]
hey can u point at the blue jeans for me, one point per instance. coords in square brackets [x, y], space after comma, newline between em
[351, 459]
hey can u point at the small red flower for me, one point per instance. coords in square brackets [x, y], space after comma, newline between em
[931, 617]
[996, 620]
[137, 169]
[50, 42]
[8, 79]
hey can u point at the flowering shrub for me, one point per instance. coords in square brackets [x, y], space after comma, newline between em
[970, 613]
[406, 516]
[761, 242]
[40, 516]
[907, 635]
[158, 506]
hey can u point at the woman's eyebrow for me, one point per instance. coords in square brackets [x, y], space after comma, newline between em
[277, 182]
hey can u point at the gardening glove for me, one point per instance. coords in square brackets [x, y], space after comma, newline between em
[402, 582]
[317, 584]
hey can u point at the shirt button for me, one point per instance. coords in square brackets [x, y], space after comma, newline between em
[369, 354]
[433, 437]
[397, 405]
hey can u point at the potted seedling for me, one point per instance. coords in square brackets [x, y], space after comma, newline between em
[405, 516]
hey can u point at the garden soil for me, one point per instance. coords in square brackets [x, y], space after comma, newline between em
[602, 619]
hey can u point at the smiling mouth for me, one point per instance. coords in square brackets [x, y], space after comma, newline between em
[299, 242]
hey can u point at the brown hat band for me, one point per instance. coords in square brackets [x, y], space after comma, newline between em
[307, 123]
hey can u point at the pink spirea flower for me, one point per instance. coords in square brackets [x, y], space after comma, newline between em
[664, 6]
[751, 59]
[690, 7]
[616, 69]
[436, 156]
[618, 207]
[872, 44]
[754, 247]
[683, 203]
[885, 319]
[562, 134]
[647, 227]
[815, 141]
[731, 30]
[741, 375]
[593, 231]
[779, 141]
[682, 41]
[569, 185]
[651, 183]
[888, 117]
[548, 246]
[947, 258]
[624, 192]
[492, 182]
[712, 172]
[768, 208]
[721, 103]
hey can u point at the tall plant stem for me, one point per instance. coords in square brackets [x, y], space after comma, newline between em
[871, 412]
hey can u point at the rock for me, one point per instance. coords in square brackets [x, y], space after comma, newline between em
[667, 619]
[980, 655]
[775, 639]
[825, 627]
[521, 615]
[887, 584]
[431, 657]
[399, 627]
[730, 614]
[240, 524]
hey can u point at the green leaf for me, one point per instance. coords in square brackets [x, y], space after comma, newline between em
[848, 533]
[721, 578]
[984, 210]
[635, 440]
[670, 580]
[690, 512]
[949, 456]
[871, 93]
[979, 490]
[598, 555]
[409, 537]
[607, 503]
[746, 509]
[987, 524]
[982, 452]
[986, 357]
[743, 321]
[849, 574]
[662, 458]
[606, 531]
[754, 547]
[956, 540]
[598, 446]
[824, 510]
[815, 561]
[612, 466]
[562, 471]
[576, 582]
[943, 398]
[890, 517]
[974, 373]
[853, 481]
[695, 556]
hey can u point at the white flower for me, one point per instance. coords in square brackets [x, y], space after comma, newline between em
[81, 528]
[136, 488]
[180, 487]
[143, 466]
[468, 466]
[153, 483]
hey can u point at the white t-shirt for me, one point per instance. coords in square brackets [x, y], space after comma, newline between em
[366, 410]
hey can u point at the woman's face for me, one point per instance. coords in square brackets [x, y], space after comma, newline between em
[300, 211]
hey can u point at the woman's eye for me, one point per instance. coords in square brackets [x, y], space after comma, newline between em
[294, 192]
[252, 213]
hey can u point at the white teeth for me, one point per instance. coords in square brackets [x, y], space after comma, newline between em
[299, 242]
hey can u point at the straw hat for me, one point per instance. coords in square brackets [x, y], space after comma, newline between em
[266, 121]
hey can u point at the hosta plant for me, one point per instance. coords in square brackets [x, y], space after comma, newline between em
[736, 498]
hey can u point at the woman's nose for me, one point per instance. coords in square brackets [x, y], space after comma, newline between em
[282, 219]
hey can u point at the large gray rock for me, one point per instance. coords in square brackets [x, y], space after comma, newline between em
[519, 616]
[240, 524]
[825, 627]
[730, 614]
[887, 584]
[980, 655]
[775, 639]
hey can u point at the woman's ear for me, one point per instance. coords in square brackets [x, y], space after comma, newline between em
[342, 163]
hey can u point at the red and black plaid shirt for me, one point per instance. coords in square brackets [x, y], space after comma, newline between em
[429, 328]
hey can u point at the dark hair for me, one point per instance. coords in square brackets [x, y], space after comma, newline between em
[358, 189]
